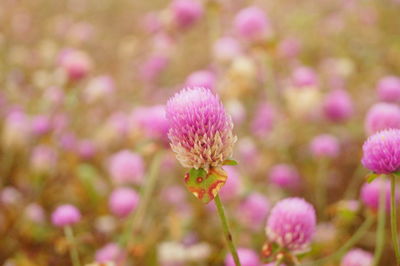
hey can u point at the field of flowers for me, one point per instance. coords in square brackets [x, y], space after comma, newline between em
[199, 132]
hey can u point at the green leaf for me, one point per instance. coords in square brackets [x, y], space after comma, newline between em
[205, 185]
[371, 177]
[230, 162]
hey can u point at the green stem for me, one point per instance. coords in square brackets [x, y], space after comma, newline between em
[73, 251]
[393, 218]
[136, 218]
[321, 186]
[362, 230]
[227, 232]
[380, 234]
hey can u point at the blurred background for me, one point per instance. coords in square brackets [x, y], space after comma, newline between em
[83, 85]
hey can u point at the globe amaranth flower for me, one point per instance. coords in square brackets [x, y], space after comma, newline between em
[381, 152]
[284, 176]
[200, 131]
[291, 224]
[382, 116]
[247, 257]
[65, 215]
[325, 146]
[123, 201]
[338, 105]
[370, 194]
[357, 257]
[389, 89]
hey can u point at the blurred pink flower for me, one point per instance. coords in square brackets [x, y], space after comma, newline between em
[263, 121]
[382, 116]
[247, 257]
[389, 89]
[304, 77]
[357, 257]
[253, 211]
[123, 201]
[65, 215]
[325, 145]
[201, 78]
[186, 13]
[338, 105]
[76, 64]
[252, 23]
[284, 176]
[126, 167]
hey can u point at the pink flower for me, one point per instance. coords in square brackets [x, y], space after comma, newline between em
[123, 201]
[389, 89]
[324, 145]
[200, 129]
[382, 116]
[65, 215]
[247, 257]
[338, 106]
[253, 211]
[126, 167]
[291, 224]
[186, 13]
[111, 252]
[370, 194]
[304, 77]
[251, 23]
[357, 257]
[381, 152]
[263, 121]
[232, 186]
[76, 64]
[284, 176]
[201, 78]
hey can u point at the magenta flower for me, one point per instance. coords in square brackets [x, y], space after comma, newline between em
[247, 257]
[284, 176]
[252, 23]
[264, 120]
[75, 63]
[382, 116]
[201, 78]
[357, 257]
[126, 167]
[200, 129]
[370, 194]
[304, 77]
[253, 211]
[65, 215]
[338, 106]
[186, 12]
[324, 145]
[389, 89]
[111, 252]
[381, 152]
[123, 201]
[291, 224]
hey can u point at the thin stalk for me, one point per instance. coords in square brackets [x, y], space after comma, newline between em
[362, 230]
[227, 233]
[321, 186]
[73, 251]
[136, 218]
[393, 218]
[380, 234]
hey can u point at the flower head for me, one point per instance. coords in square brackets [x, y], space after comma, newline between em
[357, 257]
[381, 152]
[200, 129]
[247, 257]
[324, 145]
[201, 78]
[284, 176]
[123, 201]
[291, 223]
[389, 89]
[126, 167]
[370, 194]
[338, 106]
[251, 23]
[65, 215]
[382, 116]
[186, 12]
